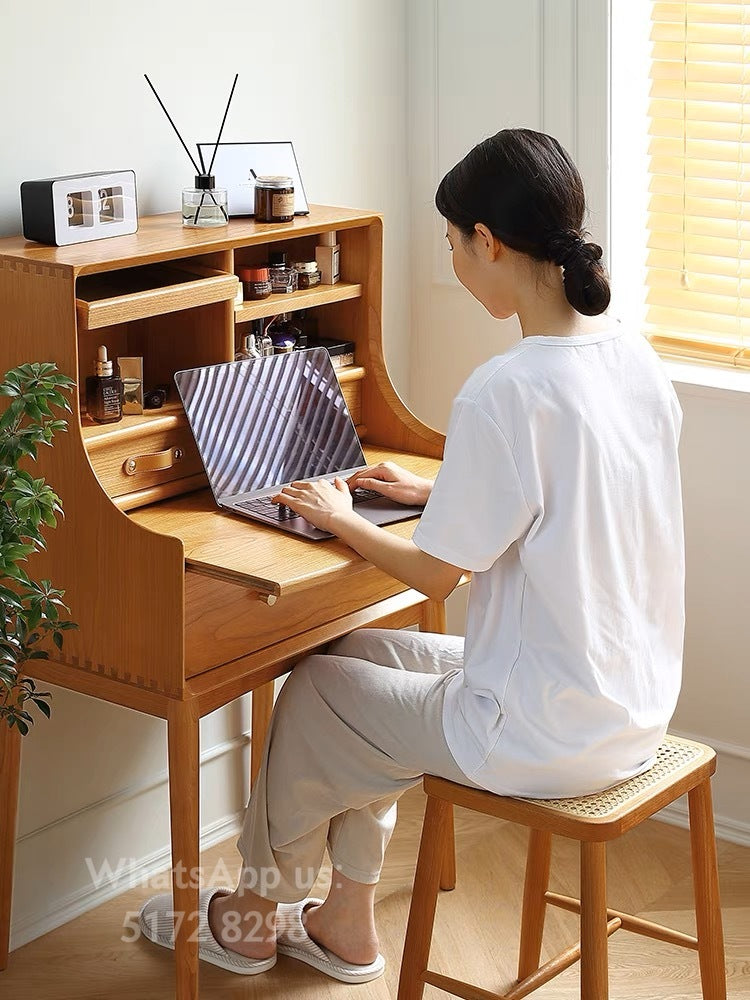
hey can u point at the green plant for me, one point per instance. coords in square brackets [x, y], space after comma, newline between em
[31, 610]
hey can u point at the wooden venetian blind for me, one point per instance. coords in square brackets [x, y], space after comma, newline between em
[698, 273]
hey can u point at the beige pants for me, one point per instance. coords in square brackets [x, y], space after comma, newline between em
[351, 731]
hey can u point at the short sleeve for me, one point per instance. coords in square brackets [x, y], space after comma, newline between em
[477, 506]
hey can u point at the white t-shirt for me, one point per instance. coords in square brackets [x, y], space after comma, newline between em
[560, 491]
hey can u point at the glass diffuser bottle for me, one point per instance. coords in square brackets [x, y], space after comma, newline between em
[205, 205]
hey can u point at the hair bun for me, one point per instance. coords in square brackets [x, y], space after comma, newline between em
[584, 278]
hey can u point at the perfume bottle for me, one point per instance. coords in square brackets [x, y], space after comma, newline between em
[283, 277]
[205, 205]
[284, 333]
[104, 391]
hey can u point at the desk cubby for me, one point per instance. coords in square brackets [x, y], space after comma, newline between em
[181, 608]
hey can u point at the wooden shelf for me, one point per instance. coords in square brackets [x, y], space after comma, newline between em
[304, 299]
[168, 416]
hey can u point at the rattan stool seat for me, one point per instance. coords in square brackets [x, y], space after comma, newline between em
[681, 766]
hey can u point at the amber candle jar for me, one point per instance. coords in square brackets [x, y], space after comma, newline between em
[274, 199]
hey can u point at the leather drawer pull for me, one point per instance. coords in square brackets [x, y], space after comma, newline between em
[152, 463]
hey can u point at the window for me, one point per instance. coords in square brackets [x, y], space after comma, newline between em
[698, 259]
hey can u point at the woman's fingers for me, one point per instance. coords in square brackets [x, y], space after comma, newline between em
[374, 484]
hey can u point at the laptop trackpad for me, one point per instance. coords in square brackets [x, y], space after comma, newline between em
[386, 511]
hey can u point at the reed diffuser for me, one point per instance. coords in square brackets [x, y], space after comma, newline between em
[204, 205]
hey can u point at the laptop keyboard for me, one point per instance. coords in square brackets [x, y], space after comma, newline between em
[266, 506]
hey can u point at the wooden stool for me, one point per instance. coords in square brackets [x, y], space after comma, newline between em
[681, 766]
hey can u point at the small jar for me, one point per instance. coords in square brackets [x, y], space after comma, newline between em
[308, 274]
[256, 283]
[274, 199]
[284, 279]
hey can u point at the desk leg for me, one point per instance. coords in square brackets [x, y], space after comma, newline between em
[433, 620]
[183, 735]
[10, 764]
[262, 710]
[433, 617]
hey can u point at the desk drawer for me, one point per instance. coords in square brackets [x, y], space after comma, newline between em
[157, 455]
[224, 621]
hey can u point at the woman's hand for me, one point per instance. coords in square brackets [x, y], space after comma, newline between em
[393, 482]
[318, 502]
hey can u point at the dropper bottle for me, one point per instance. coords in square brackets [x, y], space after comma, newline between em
[104, 391]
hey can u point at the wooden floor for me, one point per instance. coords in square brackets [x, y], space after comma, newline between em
[476, 930]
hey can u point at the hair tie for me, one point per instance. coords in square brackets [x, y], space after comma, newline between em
[568, 246]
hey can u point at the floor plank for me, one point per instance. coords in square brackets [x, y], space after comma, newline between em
[476, 932]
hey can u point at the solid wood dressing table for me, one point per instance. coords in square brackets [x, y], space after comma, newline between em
[183, 608]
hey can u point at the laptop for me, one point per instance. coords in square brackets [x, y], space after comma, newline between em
[263, 423]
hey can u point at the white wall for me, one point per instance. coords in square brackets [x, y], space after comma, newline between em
[332, 78]
[474, 68]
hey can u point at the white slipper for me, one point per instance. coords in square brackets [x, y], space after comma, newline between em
[293, 940]
[156, 920]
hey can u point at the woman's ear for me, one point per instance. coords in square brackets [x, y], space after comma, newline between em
[487, 243]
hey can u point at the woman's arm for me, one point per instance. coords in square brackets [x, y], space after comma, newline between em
[329, 506]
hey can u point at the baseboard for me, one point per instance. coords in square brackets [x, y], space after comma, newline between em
[100, 889]
[729, 828]
[726, 829]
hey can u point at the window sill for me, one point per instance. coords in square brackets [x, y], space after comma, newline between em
[707, 380]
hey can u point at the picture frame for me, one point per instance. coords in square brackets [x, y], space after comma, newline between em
[232, 170]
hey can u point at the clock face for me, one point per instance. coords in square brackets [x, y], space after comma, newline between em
[92, 207]
[110, 204]
[78, 204]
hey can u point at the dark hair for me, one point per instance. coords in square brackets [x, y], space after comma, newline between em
[526, 189]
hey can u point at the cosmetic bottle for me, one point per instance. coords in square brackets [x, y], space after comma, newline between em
[284, 333]
[308, 273]
[262, 339]
[249, 349]
[205, 205]
[104, 391]
[283, 277]
[327, 256]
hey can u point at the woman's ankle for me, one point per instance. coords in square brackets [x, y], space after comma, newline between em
[348, 934]
[244, 923]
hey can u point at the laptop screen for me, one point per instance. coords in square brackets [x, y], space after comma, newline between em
[268, 421]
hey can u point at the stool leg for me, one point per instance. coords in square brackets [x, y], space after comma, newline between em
[433, 620]
[448, 871]
[183, 736]
[437, 819]
[594, 975]
[534, 904]
[706, 886]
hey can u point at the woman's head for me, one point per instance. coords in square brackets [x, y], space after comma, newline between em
[521, 189]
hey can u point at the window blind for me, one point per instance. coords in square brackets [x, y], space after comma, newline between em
[698, 261]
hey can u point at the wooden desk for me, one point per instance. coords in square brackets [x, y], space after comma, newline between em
[183, 608]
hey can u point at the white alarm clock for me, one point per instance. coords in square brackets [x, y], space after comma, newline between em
[82, 207]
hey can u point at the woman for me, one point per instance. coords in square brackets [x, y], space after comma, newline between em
[560, 492]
